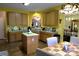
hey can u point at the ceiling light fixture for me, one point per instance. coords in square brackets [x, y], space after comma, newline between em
[70, 8]
[26, 3]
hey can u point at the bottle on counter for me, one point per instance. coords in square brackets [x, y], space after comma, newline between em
[65, 48]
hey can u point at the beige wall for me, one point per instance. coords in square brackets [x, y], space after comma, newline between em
[60, 28]
[2, 24]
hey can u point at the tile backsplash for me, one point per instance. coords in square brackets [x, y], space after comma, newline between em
[17, 28]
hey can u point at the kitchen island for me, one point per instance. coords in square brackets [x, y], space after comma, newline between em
[29, 42]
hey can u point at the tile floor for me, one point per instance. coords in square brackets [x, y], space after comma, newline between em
[14, 48]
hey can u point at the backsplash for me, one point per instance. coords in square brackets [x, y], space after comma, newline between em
[49, 29]
[33, 29]
[17, 28]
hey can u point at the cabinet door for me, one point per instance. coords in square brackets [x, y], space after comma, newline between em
[25, 19]
[45, 35]
[29, 45]
[12, 37]
[52, 18]
[18, 19]
[11, 19]
[24, 42]
[18, 36]
[48, 19]
[35, 43]
[32, 44]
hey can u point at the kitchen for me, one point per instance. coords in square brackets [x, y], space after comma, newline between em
[43, 23]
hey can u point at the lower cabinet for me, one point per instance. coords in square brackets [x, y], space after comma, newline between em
[44, 35]
[14, 36]
[29, 44]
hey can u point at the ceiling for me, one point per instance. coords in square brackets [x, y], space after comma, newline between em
[30, 7]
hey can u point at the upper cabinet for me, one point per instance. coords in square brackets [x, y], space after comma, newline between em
[11, 18]
[51, 18]
[25, 19]
[17, 19]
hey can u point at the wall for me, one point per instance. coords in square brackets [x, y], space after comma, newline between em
[2, 23]
[60, 28]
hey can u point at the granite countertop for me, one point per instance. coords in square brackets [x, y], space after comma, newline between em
[29, 34]
[48, 31]
[15, 31]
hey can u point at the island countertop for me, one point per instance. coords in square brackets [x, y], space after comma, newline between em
[29, 34]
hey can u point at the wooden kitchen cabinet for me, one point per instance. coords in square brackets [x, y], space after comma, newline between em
[17, 19]
[14, 36]
[51, 18]
[11, 37]
[44, 35]
[18, 36]
[25, 19]
[29, 43]
[11, 18]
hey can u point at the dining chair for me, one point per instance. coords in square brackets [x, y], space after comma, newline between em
[74, 40]
[52, 41]
[58, 36]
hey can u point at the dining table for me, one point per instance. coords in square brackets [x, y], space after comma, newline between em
[58, 49]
